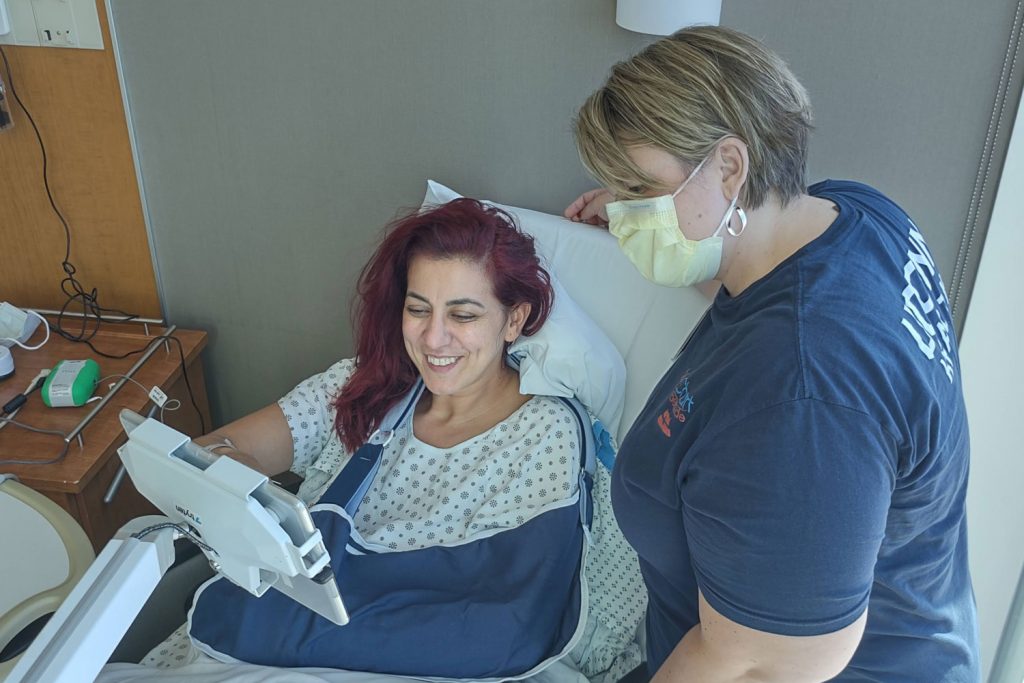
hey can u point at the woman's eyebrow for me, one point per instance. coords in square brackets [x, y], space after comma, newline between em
[465, 301]
[453, 302]
[414, 295]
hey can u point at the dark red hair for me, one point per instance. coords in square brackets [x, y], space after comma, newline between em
[463, 229]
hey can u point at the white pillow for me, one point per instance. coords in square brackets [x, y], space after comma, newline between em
[645, 322]
[570, 355]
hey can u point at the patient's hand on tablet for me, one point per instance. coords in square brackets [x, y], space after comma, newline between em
[589, 208]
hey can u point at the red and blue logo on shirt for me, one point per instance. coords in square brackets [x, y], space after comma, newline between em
[680, 403]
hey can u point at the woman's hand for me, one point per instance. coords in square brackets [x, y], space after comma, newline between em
[589, 207]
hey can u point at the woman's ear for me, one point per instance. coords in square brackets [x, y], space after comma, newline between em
[517, 316]
[735, 163]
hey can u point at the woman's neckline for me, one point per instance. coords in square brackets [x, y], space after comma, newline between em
[470, 439]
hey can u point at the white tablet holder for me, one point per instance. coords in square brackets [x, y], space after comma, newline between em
[254, 533]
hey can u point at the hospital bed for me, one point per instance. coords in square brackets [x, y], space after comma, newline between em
[646, 324]
[61, 553]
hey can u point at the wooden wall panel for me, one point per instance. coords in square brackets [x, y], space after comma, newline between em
[75, 98]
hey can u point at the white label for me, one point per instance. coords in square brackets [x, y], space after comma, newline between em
[62, 381]
[158, 397]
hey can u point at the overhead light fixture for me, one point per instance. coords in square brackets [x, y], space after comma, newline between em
[664, 17]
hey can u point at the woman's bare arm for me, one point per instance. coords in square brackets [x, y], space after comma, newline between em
[261, 440]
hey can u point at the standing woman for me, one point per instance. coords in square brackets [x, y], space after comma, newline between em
[795, 484]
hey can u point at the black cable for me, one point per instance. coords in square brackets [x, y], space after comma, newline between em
[181, 355]
[64, 451]
[104, 354]
[188, 384]
[19, 400]
[70, 285]
[90, 304]
[182, 529]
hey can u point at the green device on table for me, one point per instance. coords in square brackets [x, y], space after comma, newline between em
[70, 383]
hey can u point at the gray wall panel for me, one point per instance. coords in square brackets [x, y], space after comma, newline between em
[277, 138]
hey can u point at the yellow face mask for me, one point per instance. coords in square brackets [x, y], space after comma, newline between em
[649, 235]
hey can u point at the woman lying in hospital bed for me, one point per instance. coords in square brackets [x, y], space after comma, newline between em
[476, 463]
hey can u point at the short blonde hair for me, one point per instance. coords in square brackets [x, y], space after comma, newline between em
[686, 92]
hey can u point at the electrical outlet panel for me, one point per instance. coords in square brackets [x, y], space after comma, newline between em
[53, 23]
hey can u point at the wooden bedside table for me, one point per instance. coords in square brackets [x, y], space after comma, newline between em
[82, 479]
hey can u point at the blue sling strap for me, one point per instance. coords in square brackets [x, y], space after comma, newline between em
[501, 604]
[355, 478]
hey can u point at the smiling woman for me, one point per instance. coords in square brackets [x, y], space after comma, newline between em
[482, 520]
[472, 283]
[456, 332]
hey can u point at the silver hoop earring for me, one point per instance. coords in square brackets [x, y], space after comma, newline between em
[743, 223]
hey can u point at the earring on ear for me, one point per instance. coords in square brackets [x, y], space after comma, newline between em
[743, 223]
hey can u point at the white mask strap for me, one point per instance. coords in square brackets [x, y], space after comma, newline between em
[690, 177]
[728, 217]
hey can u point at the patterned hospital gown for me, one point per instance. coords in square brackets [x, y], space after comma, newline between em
[424, 495]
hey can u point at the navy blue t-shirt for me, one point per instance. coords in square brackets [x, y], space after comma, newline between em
[806, 457]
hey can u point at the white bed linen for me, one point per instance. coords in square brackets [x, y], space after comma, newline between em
[206, 670]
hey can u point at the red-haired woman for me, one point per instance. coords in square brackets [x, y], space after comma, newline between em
[440, 300]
